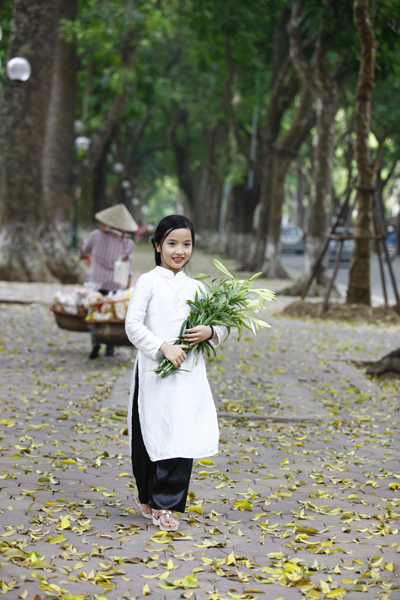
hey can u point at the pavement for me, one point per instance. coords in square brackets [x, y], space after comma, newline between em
[303, 499]
[295, 263]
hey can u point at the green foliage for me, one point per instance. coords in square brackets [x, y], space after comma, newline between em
[163, 199]
[226, 301]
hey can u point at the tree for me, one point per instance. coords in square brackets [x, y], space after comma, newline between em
[359, 288]
[324, 84]
[30, 248]
[59, 141]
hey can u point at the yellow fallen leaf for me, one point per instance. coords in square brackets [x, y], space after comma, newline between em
[389, 566]
[336, 593]
[64, 523]
[206, 462]
[56, 540]
[242, 505]
[324, 587]
[124, 475]
[195, 508]
[146, 589]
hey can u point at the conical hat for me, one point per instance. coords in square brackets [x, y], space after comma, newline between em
[117, 217]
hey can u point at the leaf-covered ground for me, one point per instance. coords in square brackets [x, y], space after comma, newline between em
[303, 499]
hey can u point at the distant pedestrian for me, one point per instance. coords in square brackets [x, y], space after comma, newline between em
[172, 420]
[107, 246]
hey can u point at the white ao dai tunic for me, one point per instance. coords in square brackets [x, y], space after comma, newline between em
[177, 413]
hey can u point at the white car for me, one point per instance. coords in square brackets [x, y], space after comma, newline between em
[292, 239]
[334, 246]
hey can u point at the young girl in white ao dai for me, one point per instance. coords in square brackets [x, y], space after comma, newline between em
[172, 420]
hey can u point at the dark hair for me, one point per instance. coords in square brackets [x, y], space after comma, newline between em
[165, 226]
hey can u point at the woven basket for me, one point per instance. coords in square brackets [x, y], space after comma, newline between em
[110, 332]
[71, 322]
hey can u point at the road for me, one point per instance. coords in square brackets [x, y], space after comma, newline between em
[302, 499]
[296, 262]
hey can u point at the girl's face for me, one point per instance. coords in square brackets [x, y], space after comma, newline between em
[176, 249]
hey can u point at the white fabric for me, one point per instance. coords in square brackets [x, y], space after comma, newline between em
[121, 272]
[177, 413]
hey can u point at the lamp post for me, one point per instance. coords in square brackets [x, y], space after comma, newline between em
[82, 144]
[18, 70]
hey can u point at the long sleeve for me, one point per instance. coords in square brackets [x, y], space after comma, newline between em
[222, 334]
[90, 239]
[140, 336]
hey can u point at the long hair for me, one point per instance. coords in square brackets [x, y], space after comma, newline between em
[165, 226]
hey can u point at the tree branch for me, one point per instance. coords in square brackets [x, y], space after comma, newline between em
[101, 136]
[228, 101]
[280, 44]
[304, 70]
[181, 116]
[391, 171]
[136, 139]
[2, 3]
[303, 121]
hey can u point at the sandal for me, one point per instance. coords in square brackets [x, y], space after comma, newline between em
[140, 506]
[157, 514]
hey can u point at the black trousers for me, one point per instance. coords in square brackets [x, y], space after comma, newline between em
[163, 483]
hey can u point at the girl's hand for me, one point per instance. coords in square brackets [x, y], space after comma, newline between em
[175, 354]
[198, 334]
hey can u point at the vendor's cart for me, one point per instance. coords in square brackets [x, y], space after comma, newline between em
[70, 321]
[110, 332]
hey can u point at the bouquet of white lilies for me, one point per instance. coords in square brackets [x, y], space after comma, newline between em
[228, 301]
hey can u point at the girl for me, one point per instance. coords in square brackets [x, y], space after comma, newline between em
[171, 420]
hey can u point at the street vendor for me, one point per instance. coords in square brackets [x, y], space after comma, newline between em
[110, 251]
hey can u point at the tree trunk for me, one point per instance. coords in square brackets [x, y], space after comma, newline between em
[59, 140]
[321, 186]
[99, 182]
[30, 247]
[325, 88]
[284, 88]
[272, 266]
[301, 190]
[359, 289]
[238, 231]
[284, 152]
[208, 202]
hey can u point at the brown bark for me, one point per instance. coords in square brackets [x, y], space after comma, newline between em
[285, 151]
[99, 181]
[359, 288]
[30, 248]
[208, 202]
[325, 89]
[238, 228]
[284, 88]
[301, 190]
[283, 93]
[59, 141]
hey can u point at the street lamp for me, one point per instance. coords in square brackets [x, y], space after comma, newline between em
[118, 168]
[82, 144]
[18, 70]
